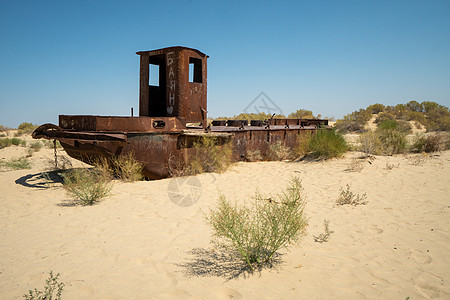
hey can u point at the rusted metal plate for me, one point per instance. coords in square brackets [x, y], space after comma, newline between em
[121, 124]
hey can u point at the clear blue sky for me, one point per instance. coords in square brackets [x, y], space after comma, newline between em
[332, 57]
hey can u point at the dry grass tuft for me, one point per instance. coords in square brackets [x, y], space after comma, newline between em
[278, 151]
[209, 154]
[348, 197]
[254, 155]
[325, 235]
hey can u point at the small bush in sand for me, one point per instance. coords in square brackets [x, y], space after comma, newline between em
[86, 186]
[25, 128]
[124, 167]
[51, 144]
[209, 155]
[348, 197]
[430, 143]
[4, 128]
[392, 166]
[253, 155]
[392, 140]
[127, 168]
[370, 143]
[18, 142]
[5, 143]
[278, 151]
[302, 147]
[258, 231]
[418, 159]
[325, 235]
[355, 166]
[52, 290]
[36, 146]
[327, 144]
[16, 164]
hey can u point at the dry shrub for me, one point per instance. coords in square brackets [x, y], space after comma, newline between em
[391, 166]
[430, 143]
[209, 155]
[370, 143]
[325, 235]
[36, 146]
[257, 232]
[348, 197]
[124, 167]
[253, 155]
[355, 166]
[302, 147]
[278, 151]
[86, 186]
[418, 159]
[127, 168]
[4, 128]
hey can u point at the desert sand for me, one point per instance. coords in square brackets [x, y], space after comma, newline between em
[142, 243]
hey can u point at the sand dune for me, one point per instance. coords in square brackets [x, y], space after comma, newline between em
[139, 244]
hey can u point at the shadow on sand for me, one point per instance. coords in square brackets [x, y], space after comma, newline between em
[220, 263]
[43, 180]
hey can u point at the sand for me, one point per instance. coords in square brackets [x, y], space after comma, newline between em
[139, 244]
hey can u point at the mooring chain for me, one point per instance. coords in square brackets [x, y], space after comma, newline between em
[56, 157]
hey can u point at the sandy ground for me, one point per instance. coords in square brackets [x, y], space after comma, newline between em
[140, 243]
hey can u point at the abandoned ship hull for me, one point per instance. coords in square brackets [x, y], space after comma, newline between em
[161, 151]
[172, 97]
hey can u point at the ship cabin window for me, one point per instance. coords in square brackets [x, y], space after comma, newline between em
[195, 70]
[154, 75]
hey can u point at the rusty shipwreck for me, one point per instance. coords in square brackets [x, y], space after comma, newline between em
[172, 115]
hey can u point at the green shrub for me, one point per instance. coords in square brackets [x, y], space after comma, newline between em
[5, 143]
[301, 114]
[348, 197]
[86, 186]
[25, 128]
[278, 151]
[375, 108]
[52, 290]
[384, 117]
[257, 232]
[388, 125]
[16, 164]
[353, 122]
[392, 141]
[327, 144]
[16, 142]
